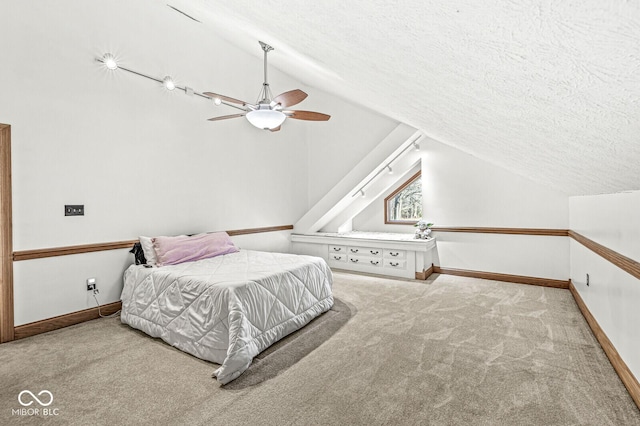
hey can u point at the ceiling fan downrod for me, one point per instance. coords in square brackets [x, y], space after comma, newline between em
[266, 90]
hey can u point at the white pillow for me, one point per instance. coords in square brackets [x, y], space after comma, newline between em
[149, 251]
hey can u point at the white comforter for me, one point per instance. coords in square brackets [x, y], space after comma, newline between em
[229, 308]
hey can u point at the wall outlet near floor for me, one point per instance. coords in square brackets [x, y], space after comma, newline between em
[92, 284]
[587, 280]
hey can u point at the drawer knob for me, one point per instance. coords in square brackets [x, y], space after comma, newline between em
[374, 262]
[394, 254]
[393, 264]
[337, 248]
[337, 257]
[354, 250]
[374, 252]
[354, 260]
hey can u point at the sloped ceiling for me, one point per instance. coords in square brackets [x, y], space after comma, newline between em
[547, 89]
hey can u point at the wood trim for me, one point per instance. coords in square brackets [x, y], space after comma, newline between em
[509, 231]
[88, 248]
[66, 320]
[627, 377]
[623, 262]
[519, 279]
[64, 251]
[386, 201]
[6, 237]
[426, 273]
[259, 230]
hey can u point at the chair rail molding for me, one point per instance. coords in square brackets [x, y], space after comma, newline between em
[88, 248]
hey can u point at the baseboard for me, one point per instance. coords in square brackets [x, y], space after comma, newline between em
[627, 377]
[426, 273]
[66, 320]
[519, 279]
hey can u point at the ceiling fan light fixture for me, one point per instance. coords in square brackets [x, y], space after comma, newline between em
[266, 118]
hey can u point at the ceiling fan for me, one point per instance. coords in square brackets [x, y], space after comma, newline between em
[268, 112]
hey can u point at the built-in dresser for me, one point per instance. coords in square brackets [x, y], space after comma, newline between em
[398, 255]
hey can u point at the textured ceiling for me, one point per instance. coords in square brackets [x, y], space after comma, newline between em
[547, 89]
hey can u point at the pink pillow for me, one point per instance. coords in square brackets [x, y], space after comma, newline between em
[174, 250]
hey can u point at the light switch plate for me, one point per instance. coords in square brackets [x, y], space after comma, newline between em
[74, 210]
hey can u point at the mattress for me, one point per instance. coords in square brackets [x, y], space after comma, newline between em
[229, 308]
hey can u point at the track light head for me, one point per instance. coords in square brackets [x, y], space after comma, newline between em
[390, 169]
[168, 83]
[109, 61]
[362, 194]
[417, 145]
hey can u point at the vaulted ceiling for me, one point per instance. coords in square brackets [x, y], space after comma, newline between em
[547, 89]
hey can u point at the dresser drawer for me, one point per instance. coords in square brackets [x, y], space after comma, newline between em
[338, 257]
[365, 261]
[365, 251]
[337, 249]
[395, 264]
[395, 254]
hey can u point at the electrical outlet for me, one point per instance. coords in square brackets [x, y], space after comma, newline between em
[587, 280]
[92, 284]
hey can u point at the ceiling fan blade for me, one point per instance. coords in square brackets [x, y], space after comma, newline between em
[276, 129]
[226, 98]
[292, 97]
[224, 117]
[307, 115]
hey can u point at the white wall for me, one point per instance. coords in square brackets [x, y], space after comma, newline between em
[44, 288]
[613, 295]
[461, 190]
[143, 161]
[334, 150]
[339, 200]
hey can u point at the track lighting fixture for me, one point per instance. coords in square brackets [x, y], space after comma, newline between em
[264, 115]
[168, 83]
[414, 144]
[109, 61]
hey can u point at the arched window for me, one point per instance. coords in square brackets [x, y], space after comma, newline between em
[404, 205]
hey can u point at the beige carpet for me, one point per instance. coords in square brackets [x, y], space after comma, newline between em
[448, 351]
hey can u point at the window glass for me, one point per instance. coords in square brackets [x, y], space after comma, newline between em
[404, 205]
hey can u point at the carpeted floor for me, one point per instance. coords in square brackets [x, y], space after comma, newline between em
[447, 351]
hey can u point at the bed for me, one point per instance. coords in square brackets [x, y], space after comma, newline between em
[229, 308]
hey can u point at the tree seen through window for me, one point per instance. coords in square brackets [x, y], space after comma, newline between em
[405, 204]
